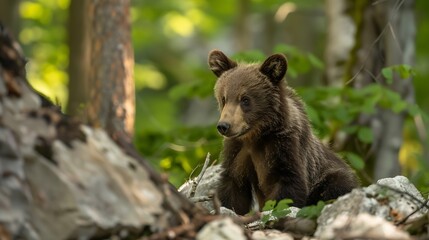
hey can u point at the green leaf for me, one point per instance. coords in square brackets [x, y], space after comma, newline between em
[284, 203]
[405, 71]
[388, 74]
[265, 218]
[355, 161]
[315, 61]
[413, 110]
[181, 90]
[269, 205]
[250, 56]
[282, 208]
[365, 135]
[399, 106]
[279, 210]
[311, 212]
[342, 114]
[350, 129]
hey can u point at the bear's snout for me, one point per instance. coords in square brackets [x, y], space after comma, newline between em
[223, 127]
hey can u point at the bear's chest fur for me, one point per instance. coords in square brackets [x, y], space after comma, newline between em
[253, 164]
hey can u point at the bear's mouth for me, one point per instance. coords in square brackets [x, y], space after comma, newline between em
[239, 134]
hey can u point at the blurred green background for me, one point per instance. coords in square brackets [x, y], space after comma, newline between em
[176, 112]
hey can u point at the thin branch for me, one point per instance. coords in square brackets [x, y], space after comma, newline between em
[195, 183]
[216, 203]
[411, 214]
[423, 203]
[397, 6]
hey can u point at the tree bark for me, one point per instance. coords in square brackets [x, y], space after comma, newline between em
[9, 15]
[399, 45]
[387, 38]
[340, 40]
[79, 58]
[112, 104]
[242, 31]
[384, 35]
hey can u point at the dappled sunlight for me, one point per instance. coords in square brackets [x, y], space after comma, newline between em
[178, 24]
[52, 82]
[31, 34]
[35, 11]
[147, 76]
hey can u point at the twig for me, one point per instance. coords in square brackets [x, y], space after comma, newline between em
[411, 214]
[421, 203]
[248, 218]
[172, 233]
[424, 203]
[183, 231]
[200, 176]
[216, 203]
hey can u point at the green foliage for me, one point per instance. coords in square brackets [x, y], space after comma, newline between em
[179, 151]
[311, 212]
[43, 40]
[278, 209]
[249, 56]
[302, 61]
[201, 87]
[354, 160]
[365, 134]
[338, 107]
[405, 71]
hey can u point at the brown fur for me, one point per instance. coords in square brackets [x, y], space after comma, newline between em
[269, 147]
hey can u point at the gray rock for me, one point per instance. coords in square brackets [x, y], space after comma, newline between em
[206, 186]
[362, 226]
[386, 199]
[271, 234]
[222, 229]
[91, 187]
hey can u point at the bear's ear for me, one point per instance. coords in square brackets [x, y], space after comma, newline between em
[219, 62]
[274, 67]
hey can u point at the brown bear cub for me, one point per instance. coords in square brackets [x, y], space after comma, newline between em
[269, 147]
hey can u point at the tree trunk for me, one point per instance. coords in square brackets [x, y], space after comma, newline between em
[386, 38]
[384, 35]
[9, 15]
[340, 40]
[112, 104]
[397, 17]
[79, 58]
[242, 31]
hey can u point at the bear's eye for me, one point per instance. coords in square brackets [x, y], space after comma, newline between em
[223, 101]
[245, 102]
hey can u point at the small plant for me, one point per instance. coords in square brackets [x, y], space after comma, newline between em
[311, 212]
[277, 210]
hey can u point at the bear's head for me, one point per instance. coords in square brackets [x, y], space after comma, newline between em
[250, 96]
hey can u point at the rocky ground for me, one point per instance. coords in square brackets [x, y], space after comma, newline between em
[390, 209]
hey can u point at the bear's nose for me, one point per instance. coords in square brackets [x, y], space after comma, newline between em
[223, 127]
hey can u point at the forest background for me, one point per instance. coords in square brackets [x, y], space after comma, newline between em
[176, 113]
